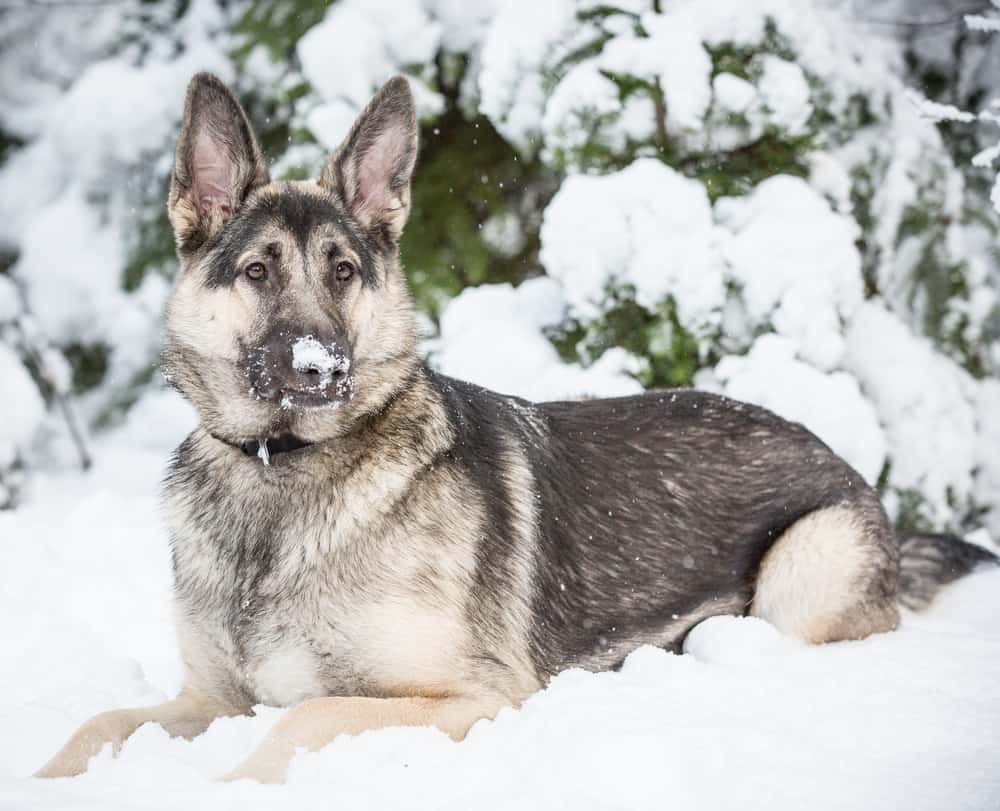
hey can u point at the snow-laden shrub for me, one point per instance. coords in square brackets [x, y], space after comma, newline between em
[731, 94]
[82, 190]
[743, 177]
[89, 106]
[23, 408]
[610, 196]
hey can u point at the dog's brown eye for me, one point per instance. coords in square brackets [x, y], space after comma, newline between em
[344, 271]
[256, 272]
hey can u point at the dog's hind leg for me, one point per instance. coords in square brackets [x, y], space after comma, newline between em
[831, 575]
[316, 722]
[186, 716]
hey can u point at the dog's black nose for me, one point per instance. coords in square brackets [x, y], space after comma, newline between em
[295, 369]
[314, 371]
[310, 372]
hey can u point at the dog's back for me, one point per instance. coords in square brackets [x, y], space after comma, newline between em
[653, 512]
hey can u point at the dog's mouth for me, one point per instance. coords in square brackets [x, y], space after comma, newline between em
[308, 400]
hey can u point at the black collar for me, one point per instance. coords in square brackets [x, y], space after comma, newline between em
[272, 445]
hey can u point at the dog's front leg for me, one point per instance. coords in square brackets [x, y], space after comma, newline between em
[316, 722]
[186, 716]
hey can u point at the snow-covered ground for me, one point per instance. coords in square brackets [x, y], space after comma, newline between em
[745, 718]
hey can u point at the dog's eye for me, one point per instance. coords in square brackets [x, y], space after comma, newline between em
[344, 271]
[256, 272]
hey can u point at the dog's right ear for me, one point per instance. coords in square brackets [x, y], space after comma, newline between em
[371, 170]
[217, 164]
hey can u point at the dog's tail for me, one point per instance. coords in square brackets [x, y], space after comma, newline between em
[927, 562]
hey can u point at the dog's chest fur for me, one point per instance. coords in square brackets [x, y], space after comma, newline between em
[294, 594]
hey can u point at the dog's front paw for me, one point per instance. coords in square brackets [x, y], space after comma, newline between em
[259, 770]
[107, 728]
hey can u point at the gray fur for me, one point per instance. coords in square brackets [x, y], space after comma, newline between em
[426, 538]
[929, 561]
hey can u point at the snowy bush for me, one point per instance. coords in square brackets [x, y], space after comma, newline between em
[742, 196]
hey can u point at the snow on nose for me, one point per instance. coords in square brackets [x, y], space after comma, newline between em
[319, 364]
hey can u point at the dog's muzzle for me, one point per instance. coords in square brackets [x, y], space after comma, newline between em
[296, 370]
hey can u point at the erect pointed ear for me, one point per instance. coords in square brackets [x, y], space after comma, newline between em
[371, 170]
[218, 163]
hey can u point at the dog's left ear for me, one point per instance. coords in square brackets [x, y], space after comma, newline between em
[372, 168]
[218, 163]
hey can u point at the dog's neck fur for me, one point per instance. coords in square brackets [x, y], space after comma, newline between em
[386, 431]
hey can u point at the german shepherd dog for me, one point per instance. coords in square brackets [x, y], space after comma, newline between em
[374, 544]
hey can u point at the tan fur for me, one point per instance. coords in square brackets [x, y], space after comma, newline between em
[812, 582]
[186, 716]
[521, 493]
[414, 631]
[209, 320]
[316, 723]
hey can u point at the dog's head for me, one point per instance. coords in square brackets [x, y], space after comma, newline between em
[291, 314]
